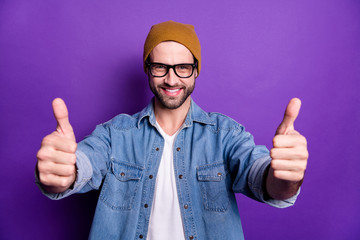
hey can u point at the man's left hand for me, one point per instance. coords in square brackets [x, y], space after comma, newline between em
[289, 155]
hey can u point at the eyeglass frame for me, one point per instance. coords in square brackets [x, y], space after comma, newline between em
[194, 65]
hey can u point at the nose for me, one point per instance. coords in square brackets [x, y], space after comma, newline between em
[171, 79]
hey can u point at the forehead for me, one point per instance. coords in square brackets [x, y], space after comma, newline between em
[171, 53]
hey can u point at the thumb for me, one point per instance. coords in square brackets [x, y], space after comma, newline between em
[291, 113]
[62, 117]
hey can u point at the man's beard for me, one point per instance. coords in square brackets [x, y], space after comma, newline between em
[168, 101]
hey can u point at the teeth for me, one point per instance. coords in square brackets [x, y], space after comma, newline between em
[172, 90]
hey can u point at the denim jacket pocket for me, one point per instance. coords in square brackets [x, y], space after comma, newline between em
[120, 186]
[213, 187]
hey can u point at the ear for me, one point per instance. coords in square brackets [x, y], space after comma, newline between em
[195, 73]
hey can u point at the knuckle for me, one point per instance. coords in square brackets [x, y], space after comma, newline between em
[300, 167]
[40, 154]
[272, 153]
[44, 179]
[301, 140]
[278, 174]
[63, 182]
[298, 152]
[43, 154]
[302, 154]
[274, 164]
[41, 168]
[276, 139]
[72, 159]
[304, 140]
[300, 176]
[70, 170]
[47, 140]
[73, 147]
[306, 155]
[303, 168]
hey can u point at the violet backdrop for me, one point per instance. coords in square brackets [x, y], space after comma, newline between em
[257, 55]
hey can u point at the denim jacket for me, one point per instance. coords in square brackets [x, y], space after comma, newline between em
[214, 157]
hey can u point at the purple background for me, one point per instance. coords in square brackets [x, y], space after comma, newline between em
[256, 56]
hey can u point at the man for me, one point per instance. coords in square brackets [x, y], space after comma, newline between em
[171, 171]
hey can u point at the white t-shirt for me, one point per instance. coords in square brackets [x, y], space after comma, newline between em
[165, 218]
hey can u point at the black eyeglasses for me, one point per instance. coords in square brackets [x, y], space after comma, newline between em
[183, 70]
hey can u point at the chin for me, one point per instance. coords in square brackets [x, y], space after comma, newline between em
[171, 104]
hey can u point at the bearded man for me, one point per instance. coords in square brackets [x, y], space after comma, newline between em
[172, 170]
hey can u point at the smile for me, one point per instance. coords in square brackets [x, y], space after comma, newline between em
[172, 92]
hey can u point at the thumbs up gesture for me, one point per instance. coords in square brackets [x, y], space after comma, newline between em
[289, 156]
[56, 157]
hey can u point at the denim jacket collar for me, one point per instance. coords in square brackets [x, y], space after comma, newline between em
[195, 114]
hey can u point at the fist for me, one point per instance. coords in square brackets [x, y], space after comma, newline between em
[56, 157]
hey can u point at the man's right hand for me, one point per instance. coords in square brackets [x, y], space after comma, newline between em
[56, 157]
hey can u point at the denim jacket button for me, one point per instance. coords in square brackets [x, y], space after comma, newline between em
[122, 174]
[157, 149]
[191, 237]
[146, 206]
[181, 176]
[178, 149]
[186, 206]
[219, 174]
[141, 236]
[151, 176]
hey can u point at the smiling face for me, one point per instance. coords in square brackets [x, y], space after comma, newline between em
[171, 92]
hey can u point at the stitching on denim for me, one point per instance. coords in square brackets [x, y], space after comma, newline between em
[212, 166]
[126, 205]
[208, 179]
[119, 118]
[122, 206]
[123, 163]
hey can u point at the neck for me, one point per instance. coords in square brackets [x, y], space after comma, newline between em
[170, 120]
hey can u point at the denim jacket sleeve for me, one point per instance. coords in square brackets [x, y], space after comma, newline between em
[92, 163]
[248, 163]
